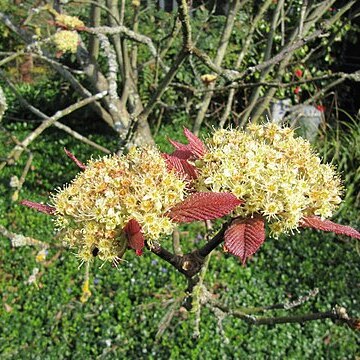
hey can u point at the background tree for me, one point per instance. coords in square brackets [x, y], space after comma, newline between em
[134, 56]
[133, 67]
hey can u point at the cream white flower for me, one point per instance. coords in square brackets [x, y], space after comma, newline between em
[277, 174]
[93, 210]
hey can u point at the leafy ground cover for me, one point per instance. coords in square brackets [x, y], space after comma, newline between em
[47, 320]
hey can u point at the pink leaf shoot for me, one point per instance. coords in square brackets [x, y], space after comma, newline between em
[195, 149]
[181, 150]
[327, 225]
[204, 206]
[244, 237]
[46, 209]
[74, 159]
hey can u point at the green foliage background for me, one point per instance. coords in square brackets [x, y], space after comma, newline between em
[121, 318]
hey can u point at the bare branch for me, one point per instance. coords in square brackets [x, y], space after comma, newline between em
[123, 30]
[17, 151]
[95, 20]
[18, 240]
[20, 184]
[223, 44]
[66, 73]
[245, 47]
[190, 264]
[336, 314]
[80, 137]
[17, 30]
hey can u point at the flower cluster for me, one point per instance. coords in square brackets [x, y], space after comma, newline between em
[70, 22]
[276, 174]
[94, 209]
[66, 40]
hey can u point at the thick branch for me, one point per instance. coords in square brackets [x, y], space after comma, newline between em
[180, 58]
[337, 313]
[95, 20]
[185, 24]
[123, 30]
[190, 264]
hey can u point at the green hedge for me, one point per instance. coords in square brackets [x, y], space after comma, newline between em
[121, 318]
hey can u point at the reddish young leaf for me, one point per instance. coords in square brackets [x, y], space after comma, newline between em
[181, 166]
[204, 206]
[194, 149]
[197, 147]
[244, 237]
[182, 151]
[46, 209]
[137, 242]
[132, 227]
[135, 237]
[178, 146]
[74, 159]
[327, 225]
[183, 154]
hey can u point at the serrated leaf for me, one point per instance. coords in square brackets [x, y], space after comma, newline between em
[204, 206]
[197, 147]
[244, 237]
[316, 222]
[181, 166]
[74, 159]
[46, 209]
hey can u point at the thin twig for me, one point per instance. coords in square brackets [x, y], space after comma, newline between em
[18, 240]
[80, 137]
[20, 184]
[48, 121]
[337, 313]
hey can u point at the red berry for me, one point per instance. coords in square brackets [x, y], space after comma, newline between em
[298, 73]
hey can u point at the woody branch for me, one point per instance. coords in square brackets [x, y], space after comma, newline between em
[190, 264]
